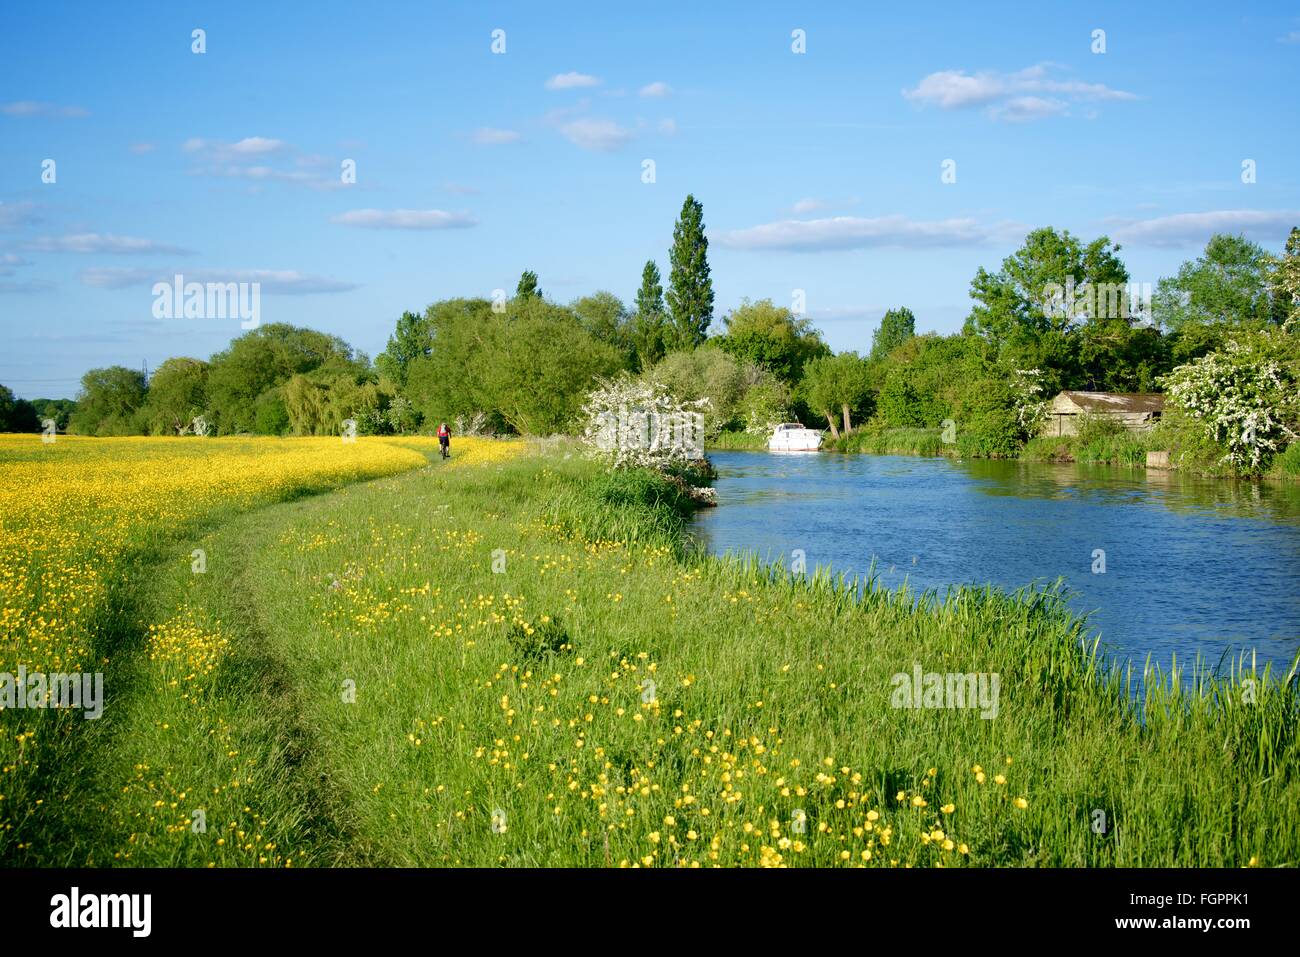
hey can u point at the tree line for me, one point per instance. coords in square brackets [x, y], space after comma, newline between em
[525, 364]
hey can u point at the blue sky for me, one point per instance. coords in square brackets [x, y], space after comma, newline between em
[818, 171]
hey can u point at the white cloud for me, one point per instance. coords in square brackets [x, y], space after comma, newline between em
[668, 127]
[487, 136]
[104, 243]
[247, 147]
[25, 108]
[1032, 93]
[257, 146]
[656, 89]
[953, 89]
[571, 81]
[405, 219]
[592, 134]
[250, 159]
[141, 148]
[1292, 37]
[285, 282]
[25, 286]
[1195, 229]
[1022, 109]
[857, 232]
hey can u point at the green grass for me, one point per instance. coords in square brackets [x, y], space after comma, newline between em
[1129, 449]
[1287, 465]
[893, 442]
[739, 441]
[498, 626]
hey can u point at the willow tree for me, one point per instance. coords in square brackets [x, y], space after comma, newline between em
[836, 385]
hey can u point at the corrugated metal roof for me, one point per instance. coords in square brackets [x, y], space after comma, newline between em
[1145, 402]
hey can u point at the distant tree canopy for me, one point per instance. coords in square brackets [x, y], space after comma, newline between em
[602, 314]
[178, 394]
[1009, 304]
[773, 337]
[896, 327]
[528, 368]
[1056, 315]
[1228, 284]
[109, 402]
[527, 287]
[17, 415]
[57, 410]
[411, 340]
[243, 379]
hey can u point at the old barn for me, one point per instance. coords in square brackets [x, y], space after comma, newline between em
[1137, 411]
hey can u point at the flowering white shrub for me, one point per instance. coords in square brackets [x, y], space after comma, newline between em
[638, 424]
[471, 426]
[1243, 400]
[1029, 400]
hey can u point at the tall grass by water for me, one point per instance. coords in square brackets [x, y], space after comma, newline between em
[903, 441]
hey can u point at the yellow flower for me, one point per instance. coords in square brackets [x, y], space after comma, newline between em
[1020, 803]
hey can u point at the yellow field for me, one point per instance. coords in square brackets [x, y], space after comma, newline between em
[73, 510]
[70, 508]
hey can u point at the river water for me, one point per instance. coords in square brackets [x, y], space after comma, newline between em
[1190, 565]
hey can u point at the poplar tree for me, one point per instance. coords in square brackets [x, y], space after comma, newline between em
[690, 293]
[648, 326]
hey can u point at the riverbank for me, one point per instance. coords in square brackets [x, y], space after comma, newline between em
[519, 663]
[1109, 447]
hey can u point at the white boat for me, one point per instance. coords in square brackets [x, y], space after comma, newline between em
[793, 437]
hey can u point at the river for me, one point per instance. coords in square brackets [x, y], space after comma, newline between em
[1190, 565]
